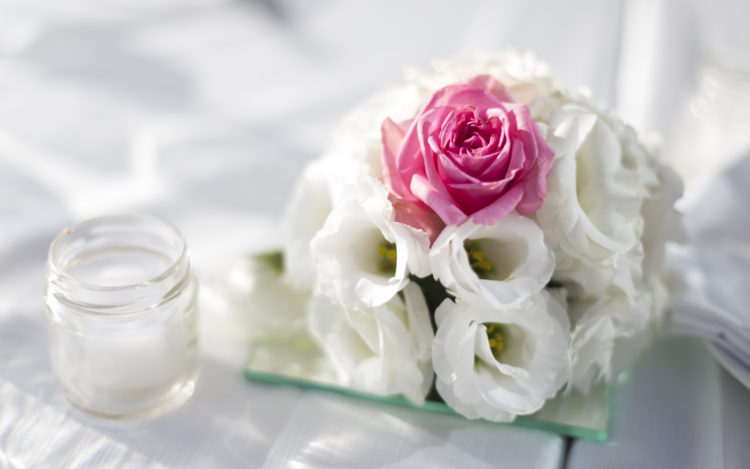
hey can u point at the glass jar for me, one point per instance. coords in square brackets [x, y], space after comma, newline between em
[121, 314]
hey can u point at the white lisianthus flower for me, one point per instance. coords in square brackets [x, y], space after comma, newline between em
[356, 148]
[610, 329]
[496, 363]
[383, 350]
[310, 205]
[503, 263]
[595, 191]
[254, 292]
[663, 223]
[525, 77]
[354, 156]
[608, 332]
[251, 306]
[362, 256]
[607, 216]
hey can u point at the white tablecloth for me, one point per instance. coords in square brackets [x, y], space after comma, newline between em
[205, 112]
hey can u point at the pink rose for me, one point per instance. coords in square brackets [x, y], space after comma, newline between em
[471, 152]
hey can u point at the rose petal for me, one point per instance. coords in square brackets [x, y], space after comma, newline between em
[448, 169]
[488, 83]
[477, 164]
[462, 95]
[393, 137]
[441, 202]
[472, 197]
[475, 92]
[419, 216]
[498, 209]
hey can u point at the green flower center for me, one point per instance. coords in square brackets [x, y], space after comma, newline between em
[387, 258]
[496, 334]
[479, 263]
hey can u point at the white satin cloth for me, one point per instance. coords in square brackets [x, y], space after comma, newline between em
[205, 112]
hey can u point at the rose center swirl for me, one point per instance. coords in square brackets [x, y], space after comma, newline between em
[468, 133]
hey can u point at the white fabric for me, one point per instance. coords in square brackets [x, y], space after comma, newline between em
[678, 409]
[712, 302]
[205, 112]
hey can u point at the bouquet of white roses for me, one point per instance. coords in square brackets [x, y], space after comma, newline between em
[478, 229]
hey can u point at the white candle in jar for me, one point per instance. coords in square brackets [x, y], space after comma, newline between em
[121, 308]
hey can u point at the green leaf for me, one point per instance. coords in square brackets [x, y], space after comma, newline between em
[273, 260]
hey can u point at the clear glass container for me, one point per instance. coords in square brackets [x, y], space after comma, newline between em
[121, 313]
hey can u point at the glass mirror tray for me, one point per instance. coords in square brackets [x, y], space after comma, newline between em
[296, 362]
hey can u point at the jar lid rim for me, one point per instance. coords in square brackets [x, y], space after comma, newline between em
[53, 262]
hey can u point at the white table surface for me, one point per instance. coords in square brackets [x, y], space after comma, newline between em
[205, 112]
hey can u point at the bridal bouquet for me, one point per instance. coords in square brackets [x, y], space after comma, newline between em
[477, 230]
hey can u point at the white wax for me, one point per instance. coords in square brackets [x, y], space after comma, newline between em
[131, 365]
